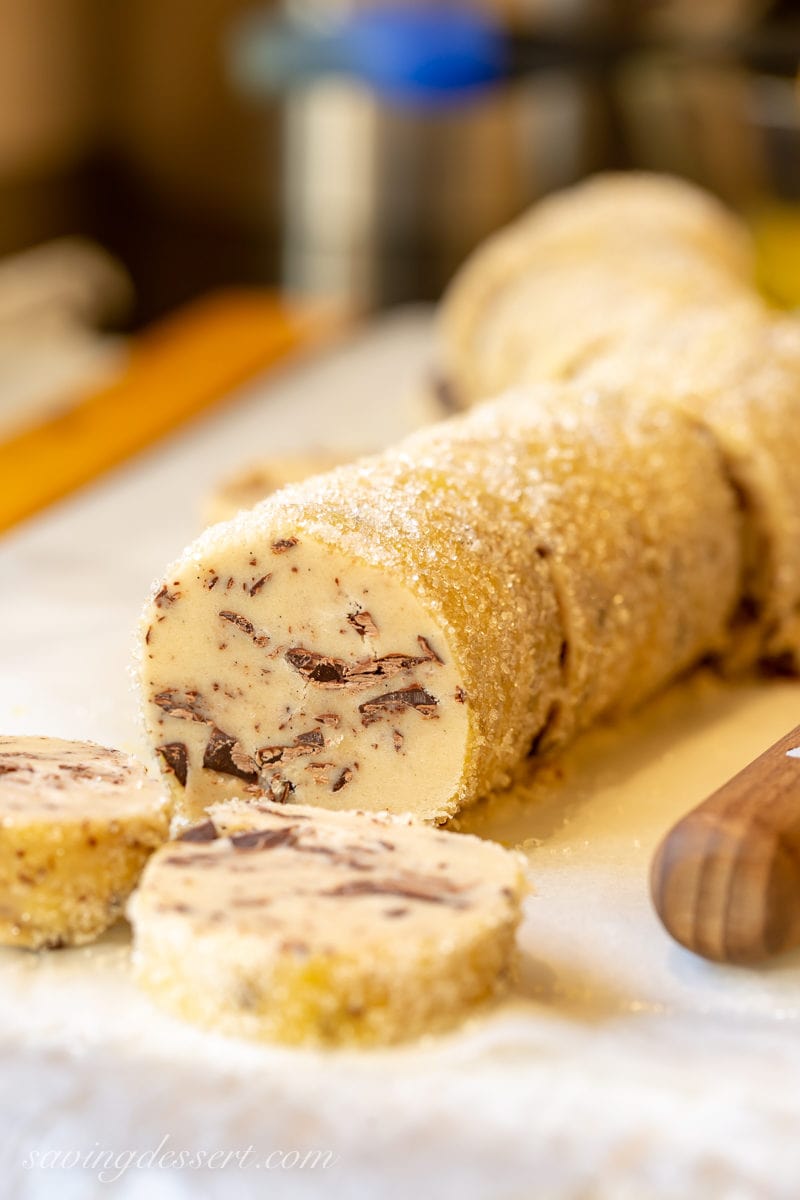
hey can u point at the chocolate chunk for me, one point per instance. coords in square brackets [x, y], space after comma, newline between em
[397, 739]
[429, 891]
[363, 624]
[329, 672]
[238, 620]
[264, 839]
[207, 832]
[267, 756]
[304, 743]
[164, 597]
[280, 790]
[343, 779]
[312, 738]
[460, 696]
[224, 754]
[331, 719]
[388, 664]
[259, 583]
[176, 758]
[187, 706]
[260, 639]
[428, 650]
[283, 545]
[411, 697]
[317, 668]
[190, 860]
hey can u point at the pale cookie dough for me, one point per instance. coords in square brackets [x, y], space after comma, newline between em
[249, 485]
[645, 285]
[310, 926]
[402, 632]
[580, 269]
[740, 379]
[77, 824]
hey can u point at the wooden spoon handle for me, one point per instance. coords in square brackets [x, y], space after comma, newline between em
[725, 880]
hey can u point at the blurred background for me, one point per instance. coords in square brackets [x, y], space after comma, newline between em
[232, 141]
[153, 152]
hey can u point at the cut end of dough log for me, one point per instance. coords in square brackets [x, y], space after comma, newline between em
[289, 671]
[299, 925]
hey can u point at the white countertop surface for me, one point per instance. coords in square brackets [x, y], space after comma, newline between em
[623, 1067]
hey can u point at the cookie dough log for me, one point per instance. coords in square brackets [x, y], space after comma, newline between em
[629, 502]
[740, 379]
[402, 632]
[299, 925]
[252, 484]
[619, 252]
[77, 824]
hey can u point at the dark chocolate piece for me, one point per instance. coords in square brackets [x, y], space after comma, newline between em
[187, 706]
[304, 743]
[411, 697]
[429, 891]
[280, 547]
[329, 672]
[176, 759]
[263, 839]
[238, 620]
[259, 583]
[331, 719]
[428, 650]
[164, 597]
[246, 626]
[363, 624]
[343, 779]
[206, 832]
[224, 754]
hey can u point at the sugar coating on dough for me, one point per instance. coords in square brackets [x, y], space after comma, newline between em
[301, 925]
[402, 632]
[646, 285]
[739, 377]
[77, 824]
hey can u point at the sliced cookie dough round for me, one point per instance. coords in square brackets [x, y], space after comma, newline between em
[301, 925]
[251, 484]
[77, 824]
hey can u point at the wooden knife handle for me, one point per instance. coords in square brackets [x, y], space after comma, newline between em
[725, 880]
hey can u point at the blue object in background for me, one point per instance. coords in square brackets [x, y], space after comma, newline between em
[414, 55]
[425, 53]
